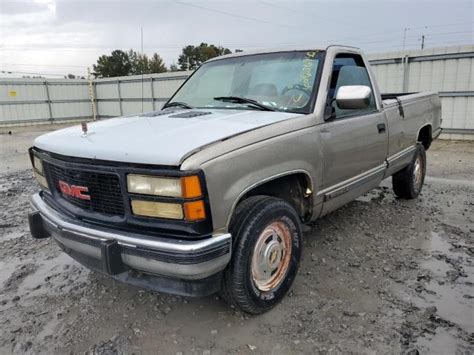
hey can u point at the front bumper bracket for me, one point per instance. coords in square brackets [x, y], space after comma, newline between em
[111, 256]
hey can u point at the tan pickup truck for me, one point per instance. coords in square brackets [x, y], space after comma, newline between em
[209, 194]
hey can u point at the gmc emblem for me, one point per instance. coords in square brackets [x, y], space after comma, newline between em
[74, 190]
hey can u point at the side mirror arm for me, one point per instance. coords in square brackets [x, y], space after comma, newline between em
[329, 112]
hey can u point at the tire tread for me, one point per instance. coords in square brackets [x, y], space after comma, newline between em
[403, 181]
[247, 215]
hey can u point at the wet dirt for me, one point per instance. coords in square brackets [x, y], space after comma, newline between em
[379, 275]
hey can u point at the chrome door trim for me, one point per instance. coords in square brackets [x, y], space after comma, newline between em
[400, 160]
[401, 155]
[349, 184]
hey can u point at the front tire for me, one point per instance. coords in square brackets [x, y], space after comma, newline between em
[408, 182]
[267, 251]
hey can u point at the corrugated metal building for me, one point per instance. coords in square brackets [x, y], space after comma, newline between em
[131, 94]
[447, 70]
[32, 100]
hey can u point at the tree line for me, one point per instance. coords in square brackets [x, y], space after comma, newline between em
[122, 63]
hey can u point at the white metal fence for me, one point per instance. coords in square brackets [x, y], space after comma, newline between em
[33, 100]
[447, 70]
[57, 100]
[131, 94]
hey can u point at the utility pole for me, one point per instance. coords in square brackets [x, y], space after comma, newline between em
[142, 60]
[90, 84]
[422, 41]
[405, 36]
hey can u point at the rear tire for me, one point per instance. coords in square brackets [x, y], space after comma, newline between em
[408, 182]
[267, 250]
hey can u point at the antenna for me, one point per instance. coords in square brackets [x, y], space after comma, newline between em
[423, 42]
[142, 61]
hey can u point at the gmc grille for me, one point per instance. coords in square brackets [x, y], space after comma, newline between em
[104, 189]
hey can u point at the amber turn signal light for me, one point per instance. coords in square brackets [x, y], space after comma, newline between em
[191, 186]
[194, 211]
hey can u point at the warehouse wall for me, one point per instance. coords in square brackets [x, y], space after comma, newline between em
[447, 70]
[130, 94]
[30, 100]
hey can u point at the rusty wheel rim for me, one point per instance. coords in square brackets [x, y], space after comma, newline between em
[418, 172]
[271, 256]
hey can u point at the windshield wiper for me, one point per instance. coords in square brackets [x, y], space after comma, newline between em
[177, 103]
[244, 100]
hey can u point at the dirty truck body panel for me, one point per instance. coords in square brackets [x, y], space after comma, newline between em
[342, 158]
[325, 152]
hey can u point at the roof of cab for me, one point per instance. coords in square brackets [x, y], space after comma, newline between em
[276, 50]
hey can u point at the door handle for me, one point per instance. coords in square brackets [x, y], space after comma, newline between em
[381, 127]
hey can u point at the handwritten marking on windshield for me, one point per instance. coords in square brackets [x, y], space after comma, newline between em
[307, 70]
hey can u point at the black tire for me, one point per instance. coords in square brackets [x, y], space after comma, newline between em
[405, 182]
[250, 221]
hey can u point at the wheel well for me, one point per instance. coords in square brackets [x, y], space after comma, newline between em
[424, 136]
[296, 189]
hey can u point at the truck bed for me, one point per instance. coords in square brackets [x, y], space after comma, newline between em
[404, 101]
[406, 114]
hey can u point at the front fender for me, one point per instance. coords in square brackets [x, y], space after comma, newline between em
[232, 175]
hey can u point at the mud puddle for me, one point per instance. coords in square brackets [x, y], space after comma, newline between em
[380, 275]
[445, 289]
[450, 287]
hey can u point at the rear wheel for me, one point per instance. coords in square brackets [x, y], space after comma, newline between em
[407, 183]
[266, 255]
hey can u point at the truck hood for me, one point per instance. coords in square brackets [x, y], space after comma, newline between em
[156, 138]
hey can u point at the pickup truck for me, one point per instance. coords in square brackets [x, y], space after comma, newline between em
[209, 194]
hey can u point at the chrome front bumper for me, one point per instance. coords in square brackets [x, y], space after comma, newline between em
[118, 252]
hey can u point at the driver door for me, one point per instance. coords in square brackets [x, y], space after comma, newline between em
[354, 142]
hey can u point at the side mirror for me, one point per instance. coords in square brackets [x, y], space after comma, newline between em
[352, 97]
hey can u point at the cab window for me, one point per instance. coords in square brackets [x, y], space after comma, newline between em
[349, 69]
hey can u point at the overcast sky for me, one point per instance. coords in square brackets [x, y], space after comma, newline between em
[67, 36]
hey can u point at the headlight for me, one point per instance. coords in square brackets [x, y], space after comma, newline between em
[41, 180]
[39, 172]
[157, 209]
[191, 211]
[150, 185]
[38, 164]
[186, 187]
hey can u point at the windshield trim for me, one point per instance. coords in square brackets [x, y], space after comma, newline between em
[317, 82]
[307, 109]
[263, 52]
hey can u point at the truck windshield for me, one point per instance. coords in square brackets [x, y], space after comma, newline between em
[281, 81]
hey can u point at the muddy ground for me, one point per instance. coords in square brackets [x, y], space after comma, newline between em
[379, 275]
